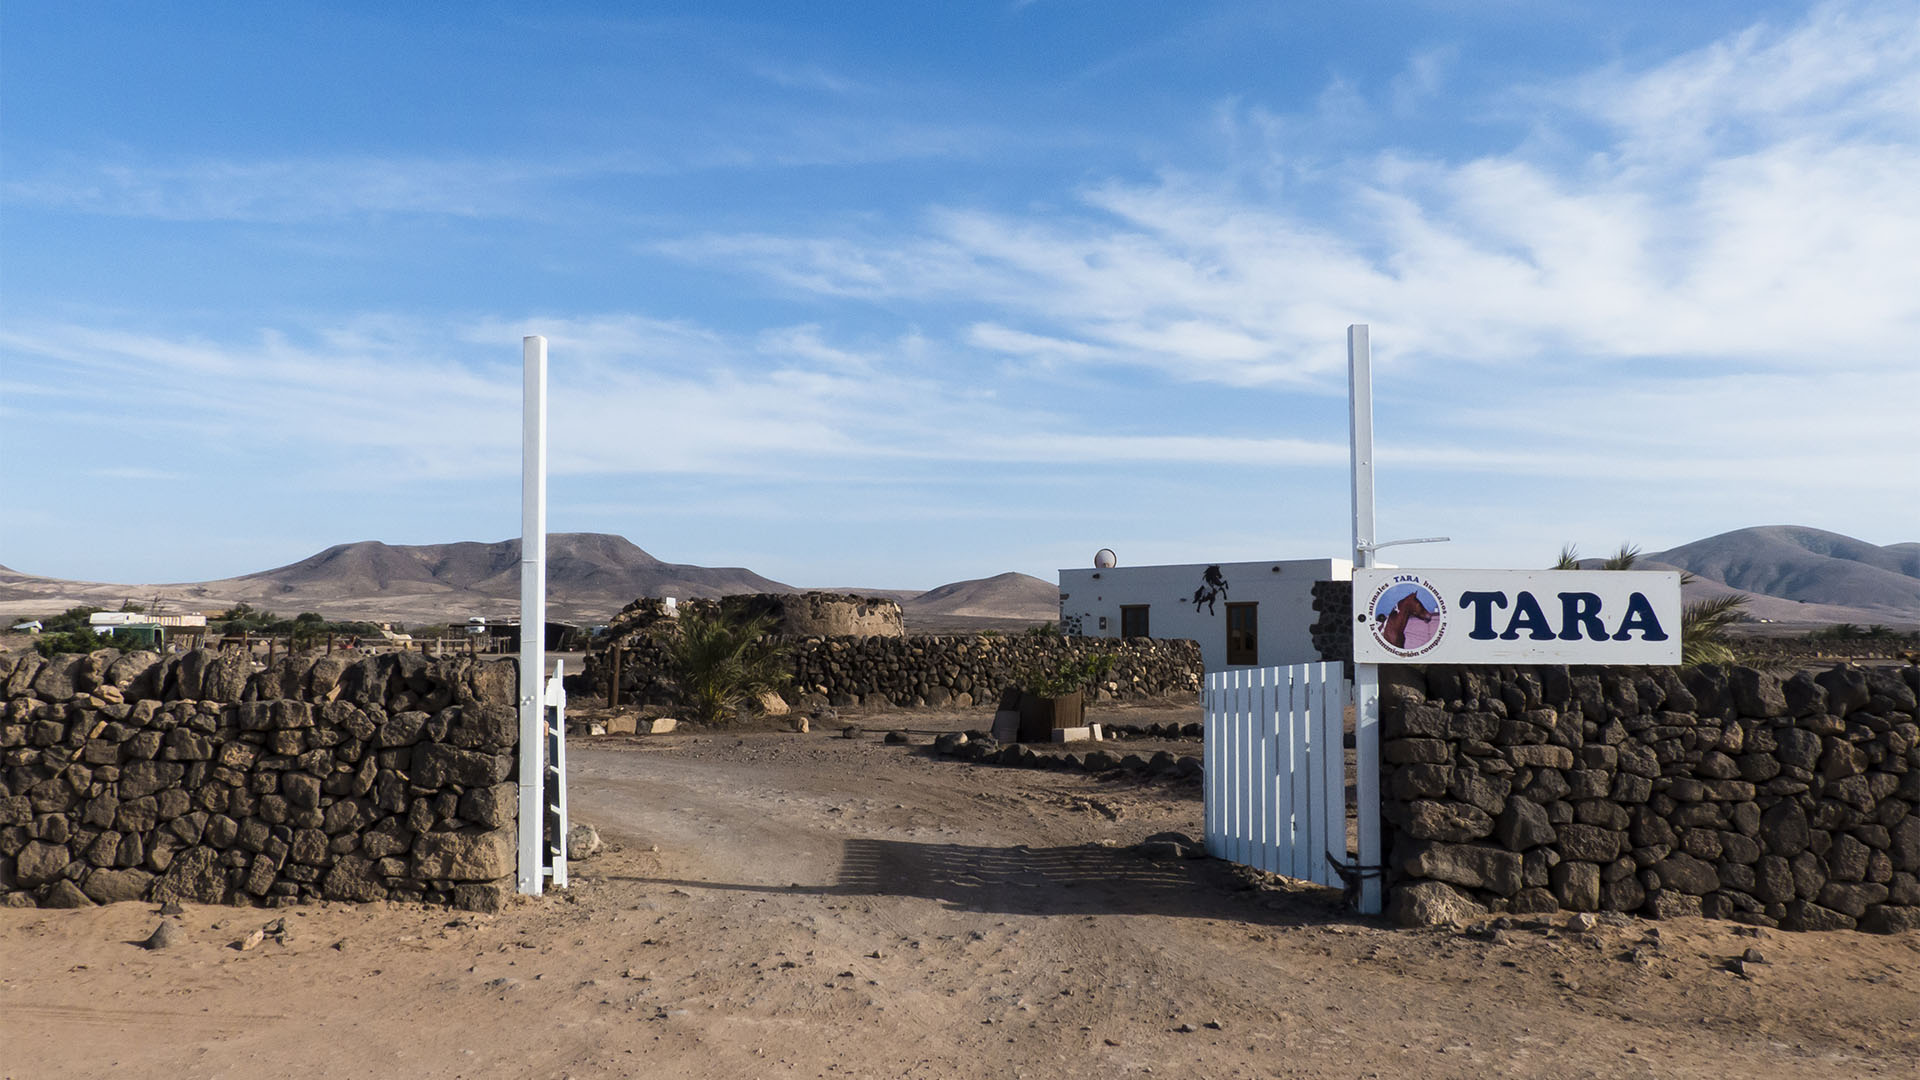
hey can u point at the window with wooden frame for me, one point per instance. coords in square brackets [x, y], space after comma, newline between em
[1133, 620]
[1243, 633]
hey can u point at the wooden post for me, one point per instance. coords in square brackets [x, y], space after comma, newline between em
[613, 684]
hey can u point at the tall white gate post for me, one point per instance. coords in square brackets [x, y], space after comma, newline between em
[1366, 677]
[533, 613]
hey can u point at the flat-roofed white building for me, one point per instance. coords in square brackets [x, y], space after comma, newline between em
[1243, 614]
[112, 619]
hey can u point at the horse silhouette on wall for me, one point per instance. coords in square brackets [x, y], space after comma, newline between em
[1212, 587]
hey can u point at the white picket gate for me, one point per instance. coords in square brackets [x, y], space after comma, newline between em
[1276, 776]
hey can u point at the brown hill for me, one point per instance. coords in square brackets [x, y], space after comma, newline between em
[1809, 566]
[1003, 596]
[584, 571]
[589, 577]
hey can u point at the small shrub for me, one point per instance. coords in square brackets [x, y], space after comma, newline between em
[74, 618]
[1066, 675]
[722, 663]
[82, 640]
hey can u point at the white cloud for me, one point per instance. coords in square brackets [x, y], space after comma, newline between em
[1849, 70]
[1757, 205]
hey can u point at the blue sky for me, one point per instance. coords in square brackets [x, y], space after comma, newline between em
[896, 294]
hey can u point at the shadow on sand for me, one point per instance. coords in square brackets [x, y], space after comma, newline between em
[1086, 879]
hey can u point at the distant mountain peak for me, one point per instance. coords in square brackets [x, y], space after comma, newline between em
[1808, 565]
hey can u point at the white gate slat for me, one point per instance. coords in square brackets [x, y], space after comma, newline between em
[1226, 786]
[1249, 772]
[1330, 806]
[1243, 750]
[1334, 717]
[1304, 811]
[1256, 790]
[1273, 767]
[1306, 790]
[1274, 839]
[1316, 739]
[1273, 727]
[1230, 763]
[1285, 692]
[1206, 762]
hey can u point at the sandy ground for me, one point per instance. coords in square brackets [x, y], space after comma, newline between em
[811, 906]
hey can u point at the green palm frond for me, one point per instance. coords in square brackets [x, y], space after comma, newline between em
[1622, 559]
[721, 664]
[1703, 629]
[1569, 558]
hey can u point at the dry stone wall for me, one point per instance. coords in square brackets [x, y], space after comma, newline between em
[921, 671]
[199, 777]
[1333, 627]
[1716, 791]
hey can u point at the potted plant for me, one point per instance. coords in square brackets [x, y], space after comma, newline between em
[1055, 695]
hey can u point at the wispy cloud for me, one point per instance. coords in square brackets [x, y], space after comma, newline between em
[331, 188]
[1756, 205]
[292, 189]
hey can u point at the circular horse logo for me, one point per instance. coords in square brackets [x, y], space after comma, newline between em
[1406, 616]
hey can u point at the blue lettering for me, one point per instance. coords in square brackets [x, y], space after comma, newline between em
[1578, 611]
[1482, 605]
[1528, 616]
[1640, 617]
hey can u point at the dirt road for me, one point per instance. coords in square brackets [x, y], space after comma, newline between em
[783, 905]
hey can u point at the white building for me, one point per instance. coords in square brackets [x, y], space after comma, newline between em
[1245, 614]
[112, 620]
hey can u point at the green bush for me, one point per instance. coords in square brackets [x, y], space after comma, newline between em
[82, 640]
[1066, 675]
[720, 663]
[74, 618]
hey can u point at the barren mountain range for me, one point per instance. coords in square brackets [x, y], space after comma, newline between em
[1792, 574]
[589, 577]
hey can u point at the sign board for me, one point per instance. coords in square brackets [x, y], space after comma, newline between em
[1516, 616]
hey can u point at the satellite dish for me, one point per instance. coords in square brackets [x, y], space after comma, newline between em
[1104, 559]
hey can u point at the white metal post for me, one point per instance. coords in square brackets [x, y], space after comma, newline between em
[1366, 677]
[533, 613]
[1360, 426]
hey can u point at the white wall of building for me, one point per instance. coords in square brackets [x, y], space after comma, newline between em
[1283, 590]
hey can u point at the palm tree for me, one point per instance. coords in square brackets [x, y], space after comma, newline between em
[1703, 623]
[1624, 558]
[721, 663]
[1703, 629]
